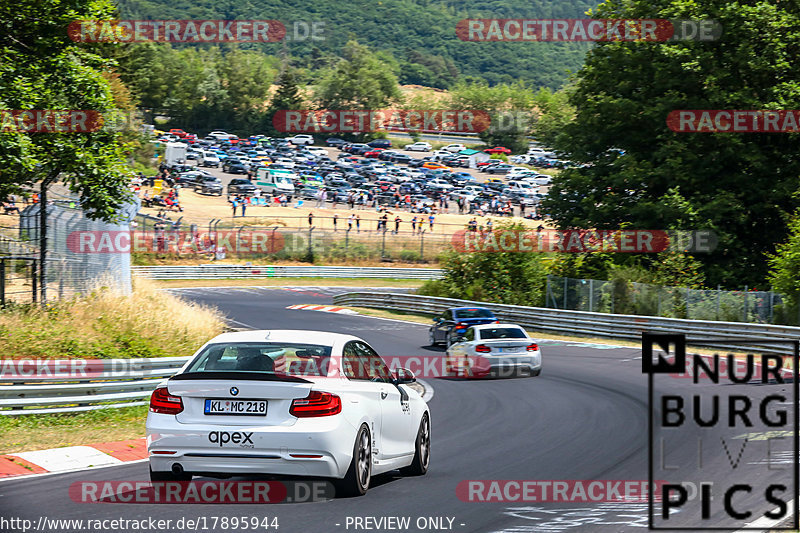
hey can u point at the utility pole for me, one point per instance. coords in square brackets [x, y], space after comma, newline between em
[43, 236]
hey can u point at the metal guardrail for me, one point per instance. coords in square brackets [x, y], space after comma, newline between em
[711, 334]
[68, 394]
[221, 271]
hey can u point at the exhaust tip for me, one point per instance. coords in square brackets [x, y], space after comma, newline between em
[177, 468]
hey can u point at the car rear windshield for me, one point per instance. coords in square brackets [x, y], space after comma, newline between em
[476, 312]
[502, 333]
[294, 359]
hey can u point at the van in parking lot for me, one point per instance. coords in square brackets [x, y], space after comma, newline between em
[276, 181]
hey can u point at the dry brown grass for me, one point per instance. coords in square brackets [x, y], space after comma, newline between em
[106, 324]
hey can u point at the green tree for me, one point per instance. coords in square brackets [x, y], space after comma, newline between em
[41, 68]
[286, 97]
[360, 80]
[509, 105]
[784, 273]
[639, 172]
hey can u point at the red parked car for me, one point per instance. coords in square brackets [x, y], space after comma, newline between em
[498, 150]
[179, 132]
[373, 153]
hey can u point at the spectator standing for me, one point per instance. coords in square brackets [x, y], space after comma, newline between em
[350, 222]
[358, 223]
[397, 221]
[431, 218]
[414, 225]
[234, 204]
[310, 219]
[244, 204]
[335, 220]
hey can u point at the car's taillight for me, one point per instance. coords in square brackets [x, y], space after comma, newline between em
[317, 403]
[532, 347]
[161, 401]
[482, 348]
[496, 322]
[461, 325]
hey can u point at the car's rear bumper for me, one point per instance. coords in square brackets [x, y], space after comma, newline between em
[311, 447]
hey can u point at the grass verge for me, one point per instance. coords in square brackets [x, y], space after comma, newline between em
[108, 325]
[41, 432]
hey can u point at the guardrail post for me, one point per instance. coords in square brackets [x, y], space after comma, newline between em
[422, 245]
[383, 244]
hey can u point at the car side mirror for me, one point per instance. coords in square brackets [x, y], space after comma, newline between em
[404, 375]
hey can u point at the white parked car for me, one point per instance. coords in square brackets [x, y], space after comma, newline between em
[420, 146]
[285, 161]
[440, 184]
[488, 349]
[219, 135]
[208, 159]
[517, 171]
[288, 402]
[440, 154]
[318, 151]
[455, 147]
[301, 139]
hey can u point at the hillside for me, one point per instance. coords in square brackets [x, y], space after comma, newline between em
[418, 34]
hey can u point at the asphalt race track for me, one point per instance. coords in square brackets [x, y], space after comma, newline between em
[584, 418]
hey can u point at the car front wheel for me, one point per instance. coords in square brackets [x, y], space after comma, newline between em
[422, 450]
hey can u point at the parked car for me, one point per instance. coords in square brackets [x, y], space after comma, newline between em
[241, 186]
[498, 150]
[209, 159]
[455, 147]
[420, 146]
[380, 143]
[234, 166]
[208, 185]
[301, 139]
[335, 142]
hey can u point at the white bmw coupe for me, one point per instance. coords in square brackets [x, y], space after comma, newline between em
[288, 402]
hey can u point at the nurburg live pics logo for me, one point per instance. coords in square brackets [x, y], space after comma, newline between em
[725, 442]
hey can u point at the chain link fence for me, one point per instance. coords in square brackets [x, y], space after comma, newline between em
[69, 272]
[631, 298]
[227, 239]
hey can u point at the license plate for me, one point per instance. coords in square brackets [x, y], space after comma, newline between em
[236, 407]
[508, 350]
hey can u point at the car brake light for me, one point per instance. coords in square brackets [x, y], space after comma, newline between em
[161, 401]
[482, 348]
[532, 347]
[317, 403]
[461, 325]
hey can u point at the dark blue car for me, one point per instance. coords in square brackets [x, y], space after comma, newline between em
[453, 322]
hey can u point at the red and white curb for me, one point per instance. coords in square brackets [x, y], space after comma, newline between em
[72, 458]
[324, 308]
